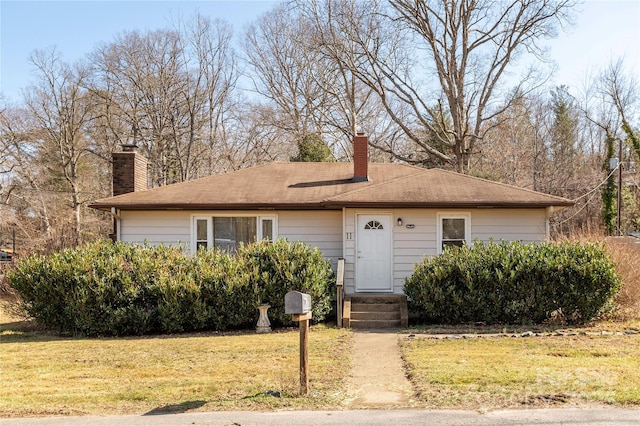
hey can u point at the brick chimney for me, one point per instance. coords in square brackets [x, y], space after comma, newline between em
[129, 171]
[360, 158]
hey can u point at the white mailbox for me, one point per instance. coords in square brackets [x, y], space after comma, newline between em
[296, 302]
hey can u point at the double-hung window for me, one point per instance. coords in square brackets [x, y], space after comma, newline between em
[454, 229]
[229, 232]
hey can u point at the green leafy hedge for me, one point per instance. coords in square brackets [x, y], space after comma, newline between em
[513, 283]
[123, 289]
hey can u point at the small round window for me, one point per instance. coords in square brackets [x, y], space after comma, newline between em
[374, 224]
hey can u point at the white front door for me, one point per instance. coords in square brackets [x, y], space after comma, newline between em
[373, 253]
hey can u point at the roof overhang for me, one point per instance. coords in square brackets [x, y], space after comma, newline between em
[330, 205]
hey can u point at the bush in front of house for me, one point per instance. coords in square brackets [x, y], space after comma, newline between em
[107, 289]
[122, 289]
[511, 282]
[282, 266]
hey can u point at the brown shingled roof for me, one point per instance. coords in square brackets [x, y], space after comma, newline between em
[330, 185]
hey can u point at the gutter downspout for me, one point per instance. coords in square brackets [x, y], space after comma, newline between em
[549, 212]
[116, 223]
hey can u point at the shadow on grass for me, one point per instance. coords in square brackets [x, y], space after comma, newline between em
[183, 407]
[29, 331]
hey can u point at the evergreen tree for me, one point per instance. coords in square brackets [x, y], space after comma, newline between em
[564, 133]
[609, 191]
[311, 148]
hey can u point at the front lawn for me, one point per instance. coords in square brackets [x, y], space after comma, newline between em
[490, 373]
[45, 375]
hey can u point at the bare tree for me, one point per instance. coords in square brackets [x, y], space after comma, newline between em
[616, 106]
[544, 143]
[301, 55]
[354, 106]
[61, 110]
[168, 91]
[279, 49]
[467, 45]
[22, 187]
[208, 103]
[137, 77]
[621, 91]
[515, 147]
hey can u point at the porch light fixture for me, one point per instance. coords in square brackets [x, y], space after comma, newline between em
[399, 221]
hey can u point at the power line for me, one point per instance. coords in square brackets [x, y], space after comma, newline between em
[576, 213]
[599, 185]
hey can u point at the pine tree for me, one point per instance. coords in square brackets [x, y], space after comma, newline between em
[609, 191]
[311, 148]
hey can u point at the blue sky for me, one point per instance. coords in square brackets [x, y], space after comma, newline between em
[605, 31]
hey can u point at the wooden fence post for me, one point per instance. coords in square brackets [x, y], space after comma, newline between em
[303, 320]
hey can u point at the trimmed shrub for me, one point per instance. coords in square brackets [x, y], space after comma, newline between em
[279, 267]
[225, 291]
[123, 289]
[514, 283]
[101, 288]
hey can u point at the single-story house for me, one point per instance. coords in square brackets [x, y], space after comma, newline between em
[381, 219]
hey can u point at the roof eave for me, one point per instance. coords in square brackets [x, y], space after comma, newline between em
[329, 205]
[450, 204]
[212, 206]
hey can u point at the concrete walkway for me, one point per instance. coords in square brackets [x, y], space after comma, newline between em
[378, 378]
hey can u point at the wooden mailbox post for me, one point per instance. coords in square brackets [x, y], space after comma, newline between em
[299, 306]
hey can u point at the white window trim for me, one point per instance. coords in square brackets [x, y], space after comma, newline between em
[209, 219]
[194, 231]
[274, 229]
[452, 215]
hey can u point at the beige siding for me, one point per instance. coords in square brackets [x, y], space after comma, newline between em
[155, 227]
[509, 225]
[322, 229]
[349, 250]
[411, 245]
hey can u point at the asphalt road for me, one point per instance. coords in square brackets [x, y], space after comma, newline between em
[564, 417]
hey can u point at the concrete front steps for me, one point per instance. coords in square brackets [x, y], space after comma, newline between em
[375, 311]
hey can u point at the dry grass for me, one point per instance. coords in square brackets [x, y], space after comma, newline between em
[626, 255]
[46, 375]
[492, 373]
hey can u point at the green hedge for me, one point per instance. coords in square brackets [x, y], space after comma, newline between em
[513, 283]
[123, 289]
[279, 267]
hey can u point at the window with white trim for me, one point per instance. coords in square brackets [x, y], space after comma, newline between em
[202, 235]
[453, 230]
[229, 232]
